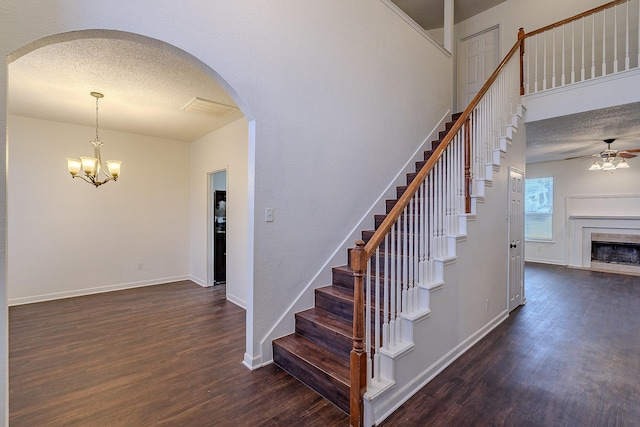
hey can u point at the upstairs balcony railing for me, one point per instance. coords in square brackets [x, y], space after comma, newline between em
[593, 44]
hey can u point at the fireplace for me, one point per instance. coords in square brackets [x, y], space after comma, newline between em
[615, 252]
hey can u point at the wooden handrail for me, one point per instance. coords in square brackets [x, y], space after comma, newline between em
[576, 17]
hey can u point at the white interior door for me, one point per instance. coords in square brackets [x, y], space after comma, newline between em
[478, 57]
[516, 238]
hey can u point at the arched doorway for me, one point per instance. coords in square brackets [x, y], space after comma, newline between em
[145, 229]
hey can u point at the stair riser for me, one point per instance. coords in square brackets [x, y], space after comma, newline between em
[339, 307]
[336, 392]
[339, 344]
[342, 278]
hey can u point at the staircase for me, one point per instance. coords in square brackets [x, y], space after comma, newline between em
[318, 352]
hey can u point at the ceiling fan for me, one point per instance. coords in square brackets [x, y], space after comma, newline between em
[610, 159]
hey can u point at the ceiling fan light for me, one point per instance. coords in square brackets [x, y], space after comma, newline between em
[622, 164]
[608, 166]
[595, 167]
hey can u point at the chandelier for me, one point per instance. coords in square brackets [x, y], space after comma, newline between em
[92, 166]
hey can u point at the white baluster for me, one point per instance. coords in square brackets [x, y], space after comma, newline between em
[553, 58]
[393, 285]
[405, 266]
[410, 238]
[604, 42]
[423, 232]
[376, 318]
[626, 33]
[593, 46]
[416, 248]
[535, 70]
[431, 225]
[573, 52]
[582, 58]
[386, 303]
[615, 39]
[367, 322]
[544, 63]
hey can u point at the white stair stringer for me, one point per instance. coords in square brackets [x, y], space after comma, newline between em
[385, 394]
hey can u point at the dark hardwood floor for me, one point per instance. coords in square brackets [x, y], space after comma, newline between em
[161, 355]
[569, 357]
[171, 355]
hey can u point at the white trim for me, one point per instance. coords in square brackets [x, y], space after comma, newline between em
[97, 290]
[198, 281]
[237, 301]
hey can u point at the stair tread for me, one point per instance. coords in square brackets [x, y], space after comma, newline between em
[317, 356]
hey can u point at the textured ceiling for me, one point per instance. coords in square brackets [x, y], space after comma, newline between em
[583, 134]
[144, 88]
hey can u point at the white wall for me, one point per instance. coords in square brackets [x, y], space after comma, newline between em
[223, 149]
[572, 178]
[67, 238]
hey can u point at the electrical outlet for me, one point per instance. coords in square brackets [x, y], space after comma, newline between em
[140, 266]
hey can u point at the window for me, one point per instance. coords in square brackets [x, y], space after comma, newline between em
[538, 208]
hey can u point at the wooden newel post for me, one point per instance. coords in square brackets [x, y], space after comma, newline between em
[358, 358]
[521, 38]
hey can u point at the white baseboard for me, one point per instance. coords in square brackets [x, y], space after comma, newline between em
[199, 281]
[91, 291]
[254, 362]
[544, 261]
